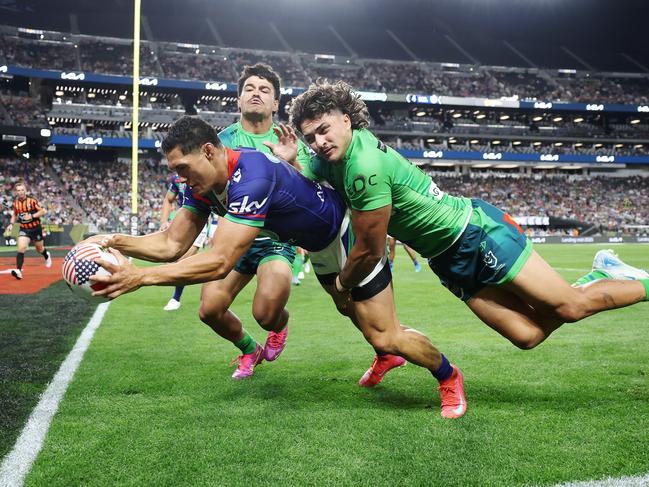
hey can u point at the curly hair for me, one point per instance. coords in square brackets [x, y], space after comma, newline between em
[322, 97]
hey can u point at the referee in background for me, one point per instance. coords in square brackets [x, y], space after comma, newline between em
[28, 213]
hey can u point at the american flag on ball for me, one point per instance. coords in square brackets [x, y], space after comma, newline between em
[79, 264]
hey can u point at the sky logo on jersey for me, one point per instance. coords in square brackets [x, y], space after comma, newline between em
[236, 177]
[246, 207]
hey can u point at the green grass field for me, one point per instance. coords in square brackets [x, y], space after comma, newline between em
[153, 402]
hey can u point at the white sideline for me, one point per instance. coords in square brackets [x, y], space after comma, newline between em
[18, 462]
[642, 481]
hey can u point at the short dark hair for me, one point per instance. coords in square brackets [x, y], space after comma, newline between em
[188, 134]
[260, 70]
[322, 97]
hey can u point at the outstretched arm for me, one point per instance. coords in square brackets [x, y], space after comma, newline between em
[165, 246]
[231, 241]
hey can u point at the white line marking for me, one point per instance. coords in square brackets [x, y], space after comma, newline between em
[611, 482]
[18, 462]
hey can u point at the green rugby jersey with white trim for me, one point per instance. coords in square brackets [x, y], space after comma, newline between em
[373, 175]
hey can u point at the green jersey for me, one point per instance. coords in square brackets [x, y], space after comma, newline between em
[235, 137]
[372, 175]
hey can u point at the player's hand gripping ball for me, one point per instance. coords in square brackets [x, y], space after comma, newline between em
[80, 264]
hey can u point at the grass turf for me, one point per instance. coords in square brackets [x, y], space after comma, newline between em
[153, 402]
[36, 333]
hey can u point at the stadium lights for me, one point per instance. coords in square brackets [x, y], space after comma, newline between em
[536, 144]
[634, 121]
[420, 113]
[516, 142]
[480, 116]
[91, 95]
[474, 141]
[638, 146]
[597, 146]
[457, 115]
[619, 146]
[578, 119]
[557, 118]
[153, 99]
[504, 117]
[58, 93]
[538, 118]
[578, 144]
[495, 142]
[558, 144]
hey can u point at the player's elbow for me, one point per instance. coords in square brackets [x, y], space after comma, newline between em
[175, 252]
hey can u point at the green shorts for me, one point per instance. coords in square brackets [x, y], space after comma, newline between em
[263, 251]
[491, 251]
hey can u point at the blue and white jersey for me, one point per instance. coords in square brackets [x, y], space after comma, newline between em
[266, 192]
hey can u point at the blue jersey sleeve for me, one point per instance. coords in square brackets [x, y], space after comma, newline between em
[196, 203]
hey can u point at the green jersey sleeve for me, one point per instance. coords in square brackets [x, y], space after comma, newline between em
[368, 181]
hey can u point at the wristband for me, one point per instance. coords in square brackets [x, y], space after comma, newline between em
[339, 286]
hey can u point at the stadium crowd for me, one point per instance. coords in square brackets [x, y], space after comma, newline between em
[209, 64]
[103, 189]
[98, 193]
[42, 185]
[610, 203]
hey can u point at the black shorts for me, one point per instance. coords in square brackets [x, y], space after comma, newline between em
[35, 234]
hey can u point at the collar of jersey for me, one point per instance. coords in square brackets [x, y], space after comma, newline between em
[233, 159]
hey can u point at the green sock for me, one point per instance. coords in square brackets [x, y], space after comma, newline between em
[247, 344]
[645, 283]
[297, 264]
[593, 275]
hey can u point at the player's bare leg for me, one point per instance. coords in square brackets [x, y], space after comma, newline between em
[538, 301]
[23, 244]
[269, 304]
[39, 245]
[216, 298]
[380, 325]
[413, 257]
[383, 362]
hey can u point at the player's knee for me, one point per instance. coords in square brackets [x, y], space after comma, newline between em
[570, 312]
[268, 317]
[381, 341]
[527, 341]
[208, 312]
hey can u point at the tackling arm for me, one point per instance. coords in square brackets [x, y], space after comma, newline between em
[370, 228]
